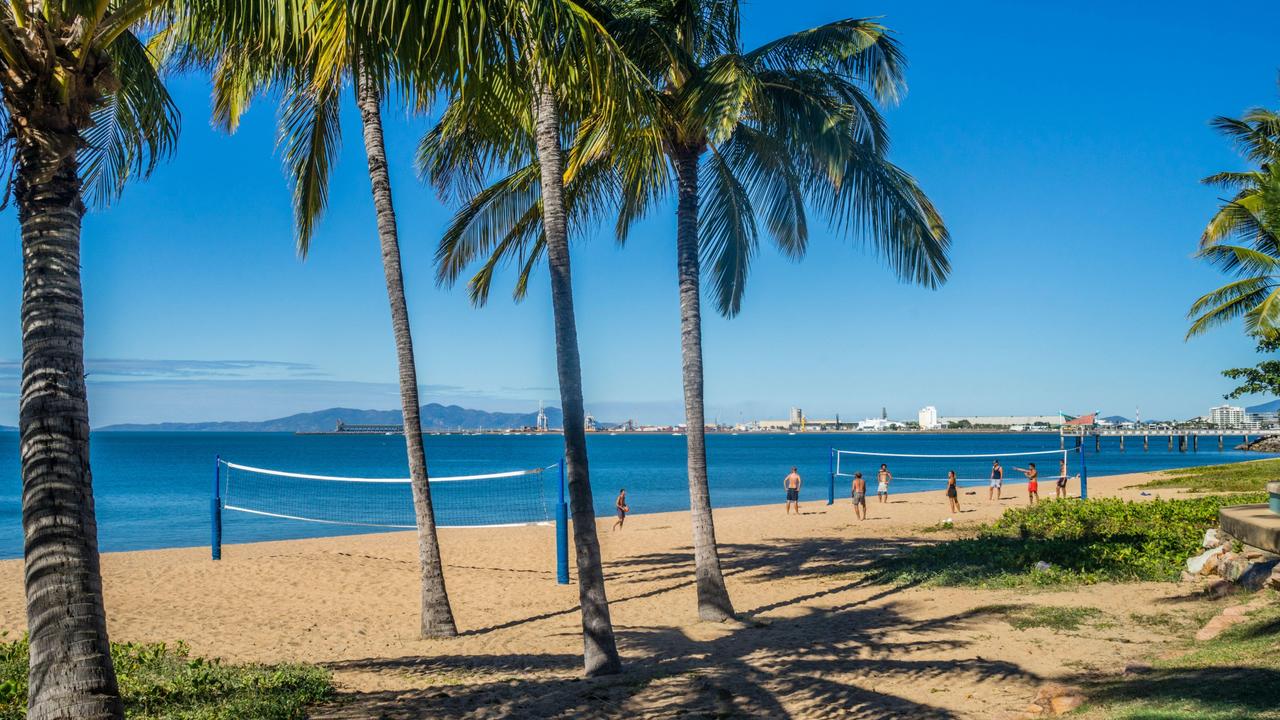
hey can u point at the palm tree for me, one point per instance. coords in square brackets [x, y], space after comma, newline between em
[322, 51]
[1243, 237]
[84, 110]
[516, 121]
[788, 126]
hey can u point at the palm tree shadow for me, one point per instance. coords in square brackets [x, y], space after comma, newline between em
[813, 665]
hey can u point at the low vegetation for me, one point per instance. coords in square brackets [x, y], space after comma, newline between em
[1232, 677]
[1067, 542]
[1053, 617]
[1236, 477]
[162, 681]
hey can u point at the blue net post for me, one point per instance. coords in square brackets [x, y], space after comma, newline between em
[215, 511]
[1084, 477]
[562, 533]
[831, 477]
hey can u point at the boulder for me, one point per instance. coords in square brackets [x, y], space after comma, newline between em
[1273, 582]
[1196, 564]
[1256, 576]
[1211, 565]
[1055, 699]
[1211, 538]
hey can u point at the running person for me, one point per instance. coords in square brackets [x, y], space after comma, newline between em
[997, 481]
[1061, 491]
[792, 484]
[882, 483]
[953, 493]
[1033, 482]
[621, 504]
[859, 496]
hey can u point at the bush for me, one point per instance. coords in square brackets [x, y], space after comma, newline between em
[1083, 541]
[163, 681]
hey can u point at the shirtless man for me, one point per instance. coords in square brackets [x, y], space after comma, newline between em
[1033, 482]
[882, 483]
[792, 485]
[859, 496]
[997, 481]
[1061, 491]
[621, 505]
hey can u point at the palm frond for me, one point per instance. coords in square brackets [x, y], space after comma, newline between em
[134, 127]
[727, 233]
[311, 136]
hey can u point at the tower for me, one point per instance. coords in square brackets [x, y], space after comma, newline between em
[542, 418]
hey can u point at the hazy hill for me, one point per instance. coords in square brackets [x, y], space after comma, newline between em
[434, 417]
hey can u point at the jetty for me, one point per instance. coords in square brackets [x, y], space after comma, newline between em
[1182, 438]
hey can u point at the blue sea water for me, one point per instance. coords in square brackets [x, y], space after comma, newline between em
[153, 489]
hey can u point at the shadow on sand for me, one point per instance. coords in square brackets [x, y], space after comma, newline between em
[823, 663]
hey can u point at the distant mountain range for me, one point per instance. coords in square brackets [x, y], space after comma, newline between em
[434, 417]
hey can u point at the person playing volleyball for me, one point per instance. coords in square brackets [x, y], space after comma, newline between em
[1033, 482]
[953, 492]
[997, 481]
[1061, 491]
[792, 484]
[859, 496]
[882, 483]
[621, 504]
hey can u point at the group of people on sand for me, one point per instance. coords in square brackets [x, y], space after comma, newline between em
[793, 481]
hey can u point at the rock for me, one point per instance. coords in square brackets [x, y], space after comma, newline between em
[1220, 588]
[1211, 538]
[1196, 564]
[1187, 577]
[1257, 575]
[1063, 704]
[1032, 711]
[1233, 567]
[1273, 582]
[1211, 565]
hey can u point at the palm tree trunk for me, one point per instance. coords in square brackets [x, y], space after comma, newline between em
[71, 674]
[600, 651]
[437, 617]
[713, 597]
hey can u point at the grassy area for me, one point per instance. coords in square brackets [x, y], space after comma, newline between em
[1233, 677]
[1082, 541]
[1025, 617]
[1236, 477]
[162, 681]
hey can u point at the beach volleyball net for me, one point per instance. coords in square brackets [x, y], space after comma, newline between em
[532, 496]
[515, 497]
[923, 471]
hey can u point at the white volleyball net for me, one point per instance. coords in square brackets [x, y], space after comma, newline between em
[908, 471]
[515, 497]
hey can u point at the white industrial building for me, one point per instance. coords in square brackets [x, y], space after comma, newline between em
[929, 418]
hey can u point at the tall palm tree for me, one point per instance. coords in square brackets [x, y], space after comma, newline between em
[517, 121]
[788, 126]
[1243, 237]
[323, 51]
[83, 111]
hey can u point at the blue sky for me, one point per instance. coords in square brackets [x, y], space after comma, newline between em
[1063, 146]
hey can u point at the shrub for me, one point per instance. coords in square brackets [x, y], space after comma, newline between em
[1082, 541]
[163, 681]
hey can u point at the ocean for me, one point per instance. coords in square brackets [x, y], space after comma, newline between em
[153, 489]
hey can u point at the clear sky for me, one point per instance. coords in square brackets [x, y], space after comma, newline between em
[1063, 146]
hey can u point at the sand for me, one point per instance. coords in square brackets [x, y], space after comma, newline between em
[816, 640]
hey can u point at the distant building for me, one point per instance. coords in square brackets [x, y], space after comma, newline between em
[1226, 416]
[590, 423]
[1003, 420]
[929, 418]
[797, 416]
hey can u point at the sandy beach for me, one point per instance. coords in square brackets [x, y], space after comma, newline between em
[816, 640]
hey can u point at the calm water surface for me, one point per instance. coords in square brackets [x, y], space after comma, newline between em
[152, 489]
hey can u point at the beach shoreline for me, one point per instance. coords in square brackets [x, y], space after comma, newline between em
[350, 603]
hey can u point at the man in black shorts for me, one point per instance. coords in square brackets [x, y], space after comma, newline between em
[792, 484]
[859, 496]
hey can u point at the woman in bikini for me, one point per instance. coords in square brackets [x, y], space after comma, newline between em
[953, 493]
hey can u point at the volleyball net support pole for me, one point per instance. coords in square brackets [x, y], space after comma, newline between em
[831, 477]
[215, 511]
[562, 532]
[1084, 476]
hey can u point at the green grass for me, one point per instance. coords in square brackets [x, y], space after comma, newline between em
[1056, 618]
[1236, 477]
[162, 681]
[1083, 541]
[1233, 677]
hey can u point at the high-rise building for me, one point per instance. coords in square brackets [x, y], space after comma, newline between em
[929, 418]
[1226, 416]
[797, 416]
